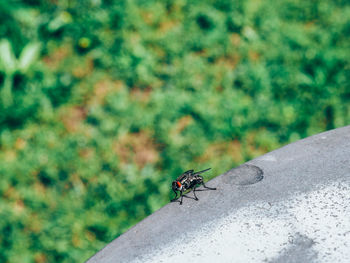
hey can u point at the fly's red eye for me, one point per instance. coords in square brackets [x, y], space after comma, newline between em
[178, 184]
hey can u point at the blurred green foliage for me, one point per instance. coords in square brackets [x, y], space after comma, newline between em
[103, 103]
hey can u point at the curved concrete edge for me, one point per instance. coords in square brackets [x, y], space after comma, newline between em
[289, 205]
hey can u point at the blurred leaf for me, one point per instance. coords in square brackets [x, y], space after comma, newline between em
[59, 21]
[6, 92]
[7, 57]
[28, 56]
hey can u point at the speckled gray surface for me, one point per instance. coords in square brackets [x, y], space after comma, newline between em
[290, 205]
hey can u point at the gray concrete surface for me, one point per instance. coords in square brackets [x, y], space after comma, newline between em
[290, 205]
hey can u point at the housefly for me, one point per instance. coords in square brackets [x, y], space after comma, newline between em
[188, 180]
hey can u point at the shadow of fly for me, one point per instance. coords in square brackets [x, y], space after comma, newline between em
[188, 180]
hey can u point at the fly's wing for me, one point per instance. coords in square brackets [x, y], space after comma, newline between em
[185, 174]
[197, 173]
[181, 177]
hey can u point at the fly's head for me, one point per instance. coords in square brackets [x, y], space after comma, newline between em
[177, 186]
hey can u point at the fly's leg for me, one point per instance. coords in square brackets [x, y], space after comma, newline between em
[175, 198]
[181, 197]
[194, 193]
[210, 188]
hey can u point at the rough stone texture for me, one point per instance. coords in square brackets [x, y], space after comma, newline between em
[290, 205]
